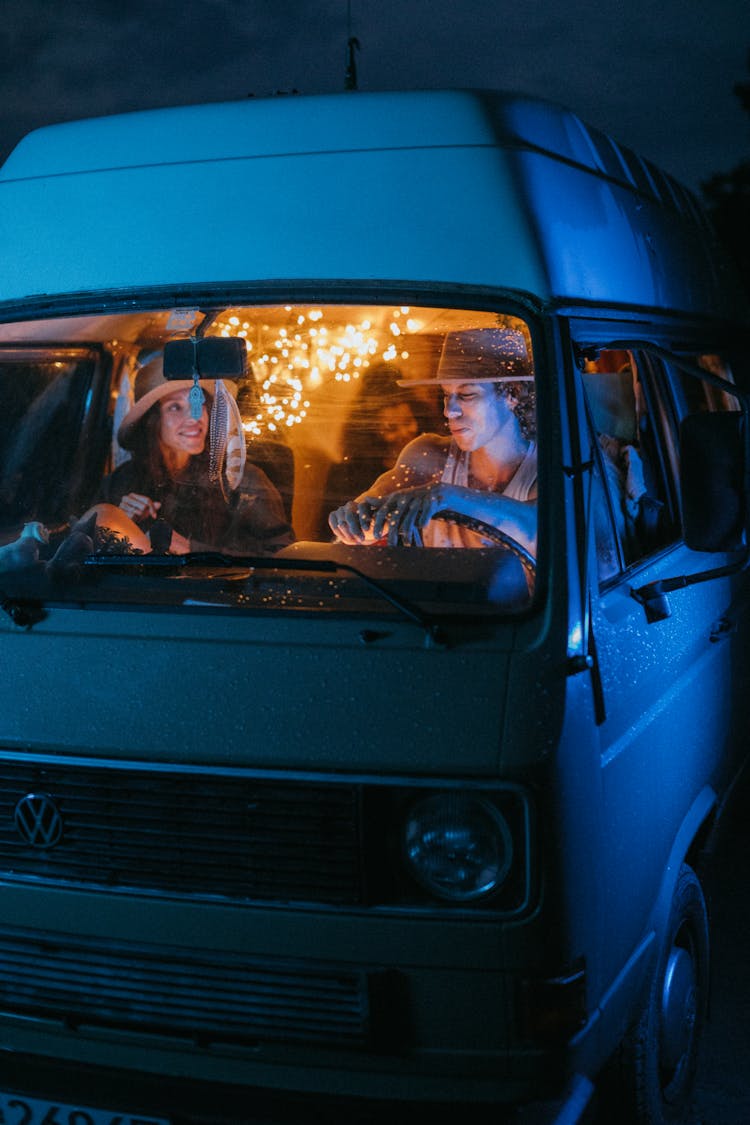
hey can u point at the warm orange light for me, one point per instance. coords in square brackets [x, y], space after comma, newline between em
[291, 360]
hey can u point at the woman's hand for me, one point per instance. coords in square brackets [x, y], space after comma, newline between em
[139, 507]
[179, 545]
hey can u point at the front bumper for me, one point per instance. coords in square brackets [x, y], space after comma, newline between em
[190, 1102]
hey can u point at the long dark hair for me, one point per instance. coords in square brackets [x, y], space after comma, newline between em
[191, 502]
[148, 457]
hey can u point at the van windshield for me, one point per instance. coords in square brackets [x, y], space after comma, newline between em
[328, 444]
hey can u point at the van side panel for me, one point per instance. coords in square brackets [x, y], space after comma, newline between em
[669, 693]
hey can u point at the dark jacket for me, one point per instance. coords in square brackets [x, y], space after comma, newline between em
[249, 521]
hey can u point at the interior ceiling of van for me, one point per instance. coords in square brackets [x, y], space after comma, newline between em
[152, 327]
[319, 340]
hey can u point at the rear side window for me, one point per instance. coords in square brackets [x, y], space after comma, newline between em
[696, 396]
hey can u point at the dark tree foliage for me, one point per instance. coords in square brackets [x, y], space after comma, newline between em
[727, 197]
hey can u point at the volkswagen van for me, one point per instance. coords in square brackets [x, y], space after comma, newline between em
[345, 831]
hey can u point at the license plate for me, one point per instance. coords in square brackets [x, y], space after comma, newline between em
[18, 1109]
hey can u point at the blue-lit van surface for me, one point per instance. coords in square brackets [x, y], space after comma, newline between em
[299, 828]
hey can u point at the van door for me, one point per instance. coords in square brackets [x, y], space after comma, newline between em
[667, 690]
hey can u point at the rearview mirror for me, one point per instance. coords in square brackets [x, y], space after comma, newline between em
[211, 357]
[713, 479]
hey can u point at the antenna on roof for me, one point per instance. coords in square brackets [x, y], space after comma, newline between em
[352, 45]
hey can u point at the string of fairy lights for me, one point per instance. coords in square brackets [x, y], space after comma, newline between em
[312, 348]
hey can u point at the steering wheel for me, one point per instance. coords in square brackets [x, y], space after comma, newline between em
[489, 531]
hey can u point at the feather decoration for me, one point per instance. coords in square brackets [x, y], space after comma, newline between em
[123, 403]
[226, 440]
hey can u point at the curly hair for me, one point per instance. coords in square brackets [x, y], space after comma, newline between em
[524, 405]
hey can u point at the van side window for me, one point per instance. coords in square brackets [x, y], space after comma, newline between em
[52, 402]
[696, 397]
[628, 410]
[608, 562]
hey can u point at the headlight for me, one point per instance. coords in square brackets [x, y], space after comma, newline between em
[459, 847]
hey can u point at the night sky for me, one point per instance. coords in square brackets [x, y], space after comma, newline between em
[657, 76]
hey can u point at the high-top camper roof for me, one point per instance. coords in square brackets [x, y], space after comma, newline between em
[429, 188]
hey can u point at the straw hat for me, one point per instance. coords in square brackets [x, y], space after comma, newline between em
[480, 355]
[150, 386]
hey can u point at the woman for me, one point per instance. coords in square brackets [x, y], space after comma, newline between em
[485, 469]
[380, 425]
[174, 483]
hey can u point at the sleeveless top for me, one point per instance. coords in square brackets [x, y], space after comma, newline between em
[441, 533]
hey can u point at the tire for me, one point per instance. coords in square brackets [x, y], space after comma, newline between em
[658, 1058]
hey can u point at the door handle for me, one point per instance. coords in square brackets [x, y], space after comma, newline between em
[722, 628]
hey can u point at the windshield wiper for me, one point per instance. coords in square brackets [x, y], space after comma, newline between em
[433, 630]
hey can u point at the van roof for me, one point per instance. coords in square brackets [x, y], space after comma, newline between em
[442, 187]
[334, 122]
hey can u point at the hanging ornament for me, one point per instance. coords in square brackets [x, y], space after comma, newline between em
[226, 440]
[196, 397]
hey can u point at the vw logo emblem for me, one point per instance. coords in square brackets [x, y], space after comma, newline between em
[38, 820]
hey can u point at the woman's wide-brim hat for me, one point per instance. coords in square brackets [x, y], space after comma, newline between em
[150, 386]
[480, 355]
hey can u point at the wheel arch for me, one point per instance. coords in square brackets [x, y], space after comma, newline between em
[689, 846]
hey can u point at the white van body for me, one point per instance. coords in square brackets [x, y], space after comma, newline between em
[274, 839]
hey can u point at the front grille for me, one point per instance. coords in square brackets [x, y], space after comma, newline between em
[219, 834]
[207, 998]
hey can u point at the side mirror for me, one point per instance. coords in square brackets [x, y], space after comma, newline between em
[713, 477]
[714, 467]
[210, 357]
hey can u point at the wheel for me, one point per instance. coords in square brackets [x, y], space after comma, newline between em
[658, 1059]
[489, 531]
